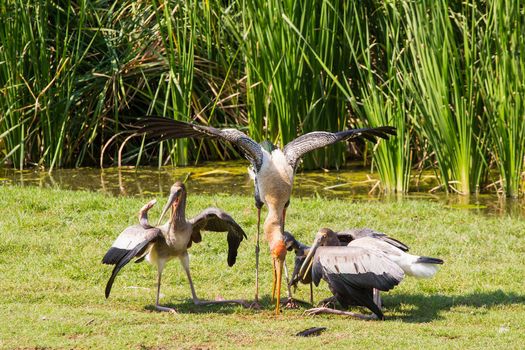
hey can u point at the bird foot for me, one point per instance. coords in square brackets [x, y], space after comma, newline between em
[165, 309]
[290, 303]
[328, 303]
[314, 311]
[326, 310]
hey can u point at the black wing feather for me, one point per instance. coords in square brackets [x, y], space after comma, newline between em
[164, 128]
[347, 236]
[216, 220]
[125, 257]
[132, 242]
[347, 294]
[352, 273]
[317, 139]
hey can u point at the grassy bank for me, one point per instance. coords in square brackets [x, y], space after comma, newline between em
[52, 279]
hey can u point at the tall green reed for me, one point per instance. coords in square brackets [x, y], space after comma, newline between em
[448, 75]
[288, 92]
[194, 75]
[177, 31]
[71, 72]
[50, 57]
[441, 65]
[502, 81]
[378, 94]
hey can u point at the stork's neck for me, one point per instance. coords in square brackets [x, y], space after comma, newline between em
[178, 215]
[143, 219]
[301, 248]
[333, 241]
[273, 230]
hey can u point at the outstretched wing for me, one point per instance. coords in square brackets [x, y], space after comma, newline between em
[164, 128]
[357, 267]
[133, 242]
[352, 273]
[347, 236]
[216, 220]
[317, 139]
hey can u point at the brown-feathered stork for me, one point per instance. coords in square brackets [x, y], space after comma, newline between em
[158, 245]
[343, 238]
[357, 262]
[272, 170]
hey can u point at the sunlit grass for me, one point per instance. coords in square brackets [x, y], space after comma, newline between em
[53, 282]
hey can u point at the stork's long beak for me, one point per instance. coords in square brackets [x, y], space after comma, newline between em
[308, 261]
[174, 196]
[277, 278]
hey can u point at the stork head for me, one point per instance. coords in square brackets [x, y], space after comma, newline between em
[324, 237]
[143, 213]
[289, 241]
[175, 199]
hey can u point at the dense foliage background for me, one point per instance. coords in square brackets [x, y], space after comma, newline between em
[448, 74]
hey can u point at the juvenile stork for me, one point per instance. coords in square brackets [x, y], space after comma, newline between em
[371, 261]
[272, 170]
[158, 245]
[343, 238]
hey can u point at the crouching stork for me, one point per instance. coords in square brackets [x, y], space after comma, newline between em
[357, 271]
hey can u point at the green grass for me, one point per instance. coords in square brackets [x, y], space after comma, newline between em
[52, 290]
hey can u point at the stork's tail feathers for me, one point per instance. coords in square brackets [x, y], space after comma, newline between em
[422, 266]
[429, 260]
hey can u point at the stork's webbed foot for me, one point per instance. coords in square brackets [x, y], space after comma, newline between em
[326, 310]
[165, 309]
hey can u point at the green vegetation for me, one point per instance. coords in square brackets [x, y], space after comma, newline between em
[449, 75]
[52, 290]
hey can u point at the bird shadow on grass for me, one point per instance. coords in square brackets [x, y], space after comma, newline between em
[426, 308]
[411, 308]
[187, 306]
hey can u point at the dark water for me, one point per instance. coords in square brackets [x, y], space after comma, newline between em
[352, 183]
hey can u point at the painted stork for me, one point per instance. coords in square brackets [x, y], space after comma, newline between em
[272, 170]
[370, 261]
[158, 245]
